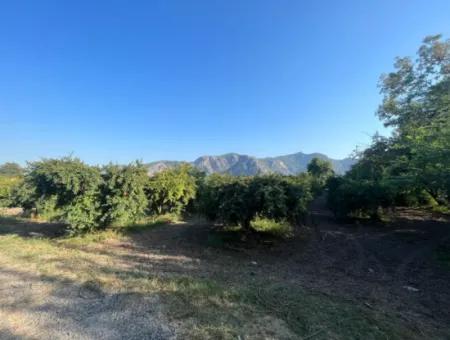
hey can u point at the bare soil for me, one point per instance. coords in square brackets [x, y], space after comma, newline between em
[387, 267]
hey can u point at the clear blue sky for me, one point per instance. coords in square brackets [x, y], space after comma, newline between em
[125, 80]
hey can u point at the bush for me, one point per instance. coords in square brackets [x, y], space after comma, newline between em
[23, 195]
[64, 190]
[320, 170]
[7, 187]
[65, 178]
[83, 214]
[360, 198]
[238, 200]
[171, 190]
[87, 197]
[122, 193]
[46, 208]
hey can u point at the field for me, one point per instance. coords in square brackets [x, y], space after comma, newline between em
[187, 280]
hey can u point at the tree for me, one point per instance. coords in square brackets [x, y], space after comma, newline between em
[123, 193]
[239, 200]
[7, 187]
[65, 178]
[417, 104]
[65, 190]
[412, 166]
[417, 92]
[320, 168]
[171, 190]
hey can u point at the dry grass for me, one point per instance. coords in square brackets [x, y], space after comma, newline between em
[196, 306]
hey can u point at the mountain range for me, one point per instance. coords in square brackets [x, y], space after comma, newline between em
[236, 164]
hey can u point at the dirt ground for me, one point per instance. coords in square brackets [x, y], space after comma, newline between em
[389, 268]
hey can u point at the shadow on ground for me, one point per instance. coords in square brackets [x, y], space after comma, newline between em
[389, 269]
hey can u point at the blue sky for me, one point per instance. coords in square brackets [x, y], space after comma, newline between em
[125, 80]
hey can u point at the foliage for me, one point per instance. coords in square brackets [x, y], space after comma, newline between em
[23, 195]
[361, 198]
[83, 213]
[412, 167]
[122, 193]
[87, 197]
[238, 200]
[270, 226]
[65, 178]
[64, 190]
[320, 170]
[171, 190]
[7, 186]
[417, 93]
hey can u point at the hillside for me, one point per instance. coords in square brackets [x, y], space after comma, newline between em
[236, 164]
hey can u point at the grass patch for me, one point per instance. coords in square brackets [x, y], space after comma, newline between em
[206, 308]
[323, 317]
[272, 227]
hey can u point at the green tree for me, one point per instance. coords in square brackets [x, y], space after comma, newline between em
[412, 166]
[65, 190]
[7, 187]
[320, 168]
[417, 92]
[171, 190]
[239, 200]
[123, 193]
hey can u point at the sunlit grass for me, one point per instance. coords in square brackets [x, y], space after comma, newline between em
[205, 308]
[272, 227]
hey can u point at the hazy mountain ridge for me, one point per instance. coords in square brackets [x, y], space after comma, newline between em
[237, 164]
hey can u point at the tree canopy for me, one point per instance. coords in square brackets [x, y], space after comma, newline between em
[412, 167]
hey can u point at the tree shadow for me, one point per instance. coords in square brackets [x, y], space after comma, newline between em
[48, 306]
[30, 228]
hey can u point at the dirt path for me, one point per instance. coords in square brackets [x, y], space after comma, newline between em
[35, 308]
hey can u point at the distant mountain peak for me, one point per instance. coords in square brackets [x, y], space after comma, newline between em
[237, 164]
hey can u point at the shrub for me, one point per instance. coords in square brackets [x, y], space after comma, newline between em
[171, 190]
[122, 193]
[46, 208]
[83, 214]
[320, 170]
[360, 198]
[64, 190]
[65, 178]
[23, 195]
[238, 200]
[7, 187]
